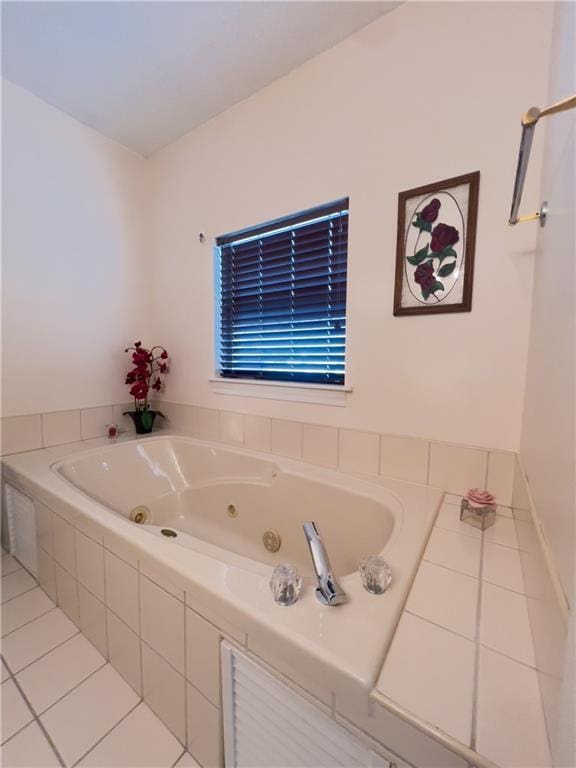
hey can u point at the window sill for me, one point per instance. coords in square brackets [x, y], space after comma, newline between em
[320, 394]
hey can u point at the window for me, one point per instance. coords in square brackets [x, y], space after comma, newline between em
[282, 298]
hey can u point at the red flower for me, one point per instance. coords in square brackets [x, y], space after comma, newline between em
[162, 367]
[164, 355]
[139, 390]
[424, 276]
[429, 213]
[157, 385]
[443, 236]
[137, 344]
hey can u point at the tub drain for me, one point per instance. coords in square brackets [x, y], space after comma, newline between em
[168, 532]
[140, 514]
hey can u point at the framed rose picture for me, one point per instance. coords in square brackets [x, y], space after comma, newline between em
[435, 246]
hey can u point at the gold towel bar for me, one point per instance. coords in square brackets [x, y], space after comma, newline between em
[529, 121]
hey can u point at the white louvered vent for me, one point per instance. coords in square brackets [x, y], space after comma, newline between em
[21, 527]
[268, 725]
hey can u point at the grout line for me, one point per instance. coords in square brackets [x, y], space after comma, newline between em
[37, 720]
[428, 462]
[151, 647]
[186, 735]
[179, 758]
[108, 732]
[139, 635]
[20, 593]
[447, 567]
[440, 626]
[29, 622]
[44, 711]
[510, 658]
[474, 724]
[49, 651]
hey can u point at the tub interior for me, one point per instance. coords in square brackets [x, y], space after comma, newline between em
[231, 500]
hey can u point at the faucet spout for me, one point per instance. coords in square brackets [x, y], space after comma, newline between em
[328, 591]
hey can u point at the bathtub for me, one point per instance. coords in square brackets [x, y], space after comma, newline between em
[231, 501]
[217, 503]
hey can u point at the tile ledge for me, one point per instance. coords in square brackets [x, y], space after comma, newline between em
[433, 732]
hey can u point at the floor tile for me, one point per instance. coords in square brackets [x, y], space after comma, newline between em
[29, 749]
[187, 761]
[36, 638]
[430, 672]
[9, 565]
[56, 673]
[15, 712]
[449, 519]
[446, 598]
[502, 532]
[5, 672]
[510, 727]
[455, 551]
[105, 696]
[25, 608]
[502, 566]
[141, 740]
[16, 583]
[505, 625]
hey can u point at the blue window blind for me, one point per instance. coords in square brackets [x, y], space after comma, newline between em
[282, 298]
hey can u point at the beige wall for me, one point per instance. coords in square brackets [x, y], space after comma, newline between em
[75, 288]
[429, 91]
[548, 427]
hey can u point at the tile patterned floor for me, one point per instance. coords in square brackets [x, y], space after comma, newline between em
[62, 702]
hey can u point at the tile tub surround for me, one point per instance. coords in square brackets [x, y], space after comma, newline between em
[452, 467]
[206, 621]
[51, 677]
[468, 607]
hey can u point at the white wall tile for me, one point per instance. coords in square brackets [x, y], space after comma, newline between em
[203, 656]
[94, 421]
[456, 468]
[124, 423]
[501, 476]
[90, 564]
[122, 590]
[510, 729]
[46, 573]
[204, 739]
[320, 445]
[404, 458]
[505, 625]
[162, 623]
[436, 685]
[164, 692]
[208, 424]
[64, 544]
[44, 527]
[287, 438]
[61, 427]
[231, 427]
[358, 452]
[257, 432]
[179, 417]
[21, 433]
[124, 651]
[67, 592]
[446, 598]
[93, 619]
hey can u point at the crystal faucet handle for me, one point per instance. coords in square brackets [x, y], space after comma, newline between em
[376, 574]
[286, 584]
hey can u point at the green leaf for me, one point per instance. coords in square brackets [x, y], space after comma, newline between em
[423, 226]
[419, 256]
[448, 251]
[437, 286]
[447, 269]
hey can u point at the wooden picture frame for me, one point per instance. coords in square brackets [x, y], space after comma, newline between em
[435, 246]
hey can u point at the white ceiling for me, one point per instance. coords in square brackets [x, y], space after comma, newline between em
[145, 73]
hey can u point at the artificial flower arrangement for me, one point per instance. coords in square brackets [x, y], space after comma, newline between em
[148, 364]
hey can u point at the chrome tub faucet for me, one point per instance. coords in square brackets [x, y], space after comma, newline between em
[328, 591]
